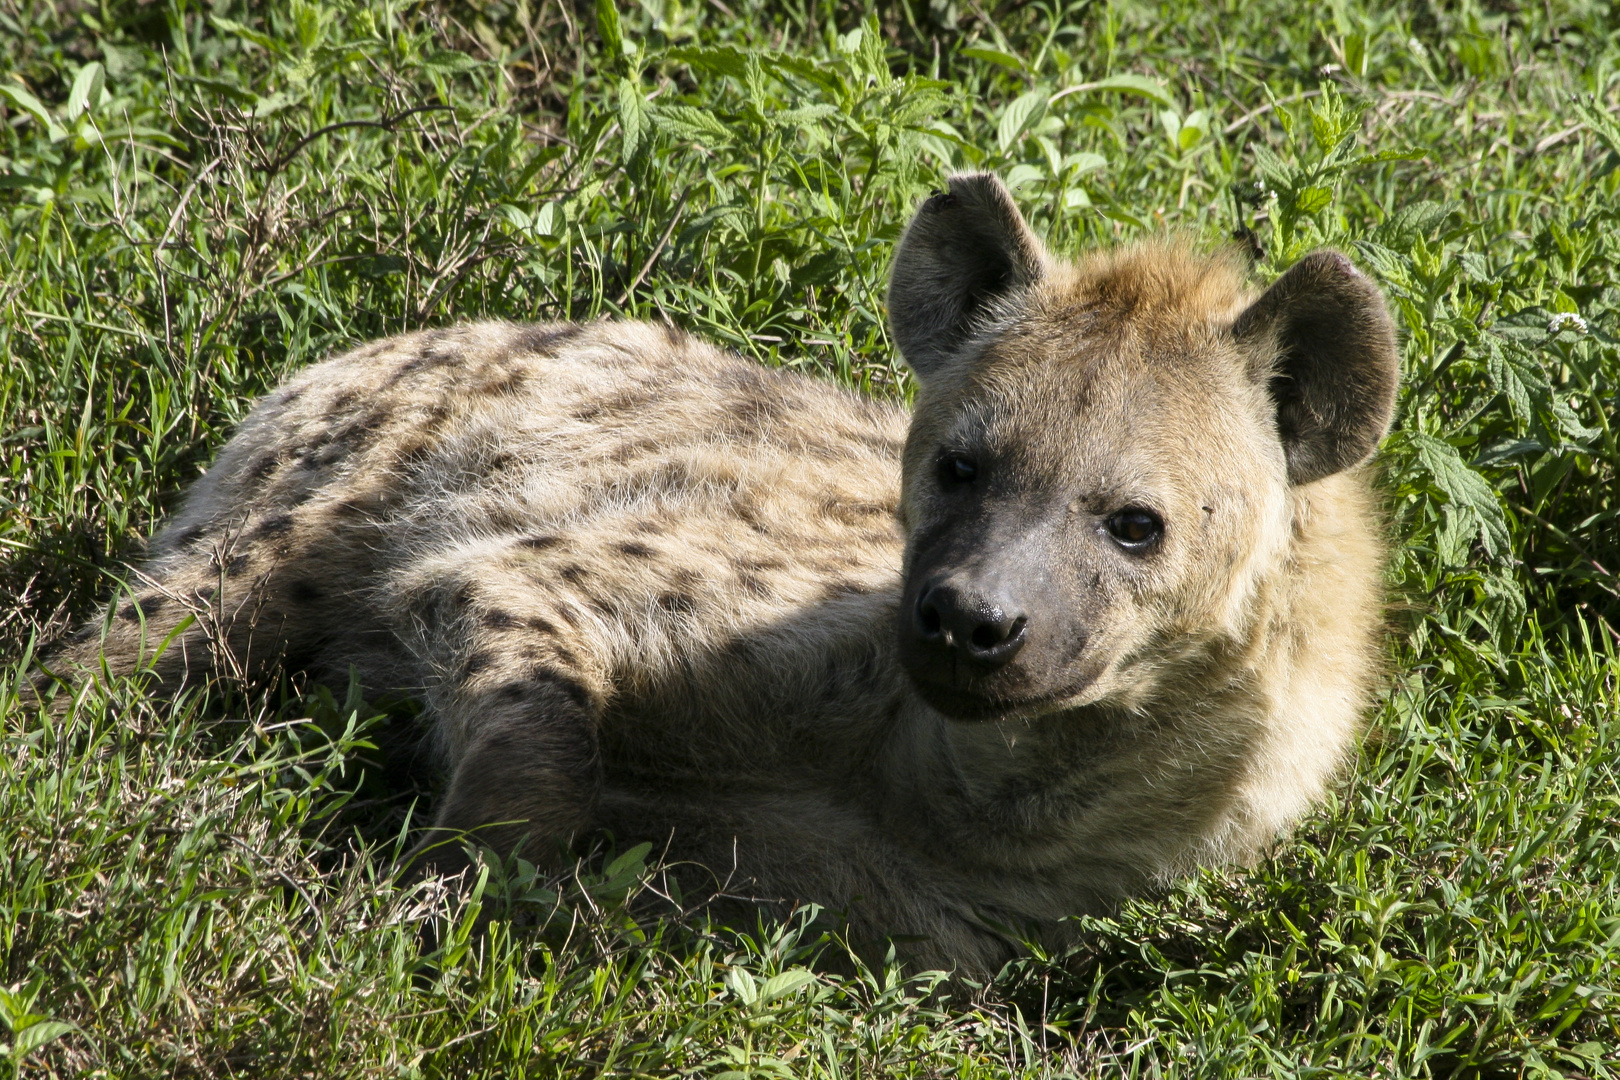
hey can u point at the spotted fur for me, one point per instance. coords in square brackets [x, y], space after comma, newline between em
[645, 585]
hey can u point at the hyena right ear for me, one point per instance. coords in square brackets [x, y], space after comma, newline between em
[1322, 338]
[967, 247]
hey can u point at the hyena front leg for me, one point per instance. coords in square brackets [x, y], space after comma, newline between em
[517, 691]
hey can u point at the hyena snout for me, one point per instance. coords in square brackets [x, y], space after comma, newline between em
[984, 626]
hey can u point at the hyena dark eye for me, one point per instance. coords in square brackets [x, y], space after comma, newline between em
[957, 469]
[1135, 529]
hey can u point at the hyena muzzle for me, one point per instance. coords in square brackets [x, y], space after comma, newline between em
[1104, 606]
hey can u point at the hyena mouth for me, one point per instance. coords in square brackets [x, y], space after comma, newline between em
[981, 699]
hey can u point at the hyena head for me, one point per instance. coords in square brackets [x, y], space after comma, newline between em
[1098, 475]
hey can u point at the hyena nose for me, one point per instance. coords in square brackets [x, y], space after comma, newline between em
[986, 629]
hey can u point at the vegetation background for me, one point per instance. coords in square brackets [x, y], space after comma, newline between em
[196, 198]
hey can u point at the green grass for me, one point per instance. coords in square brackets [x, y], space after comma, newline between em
[195, 200]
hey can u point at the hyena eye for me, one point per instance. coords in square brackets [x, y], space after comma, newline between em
[1135, 529]
[957, 469]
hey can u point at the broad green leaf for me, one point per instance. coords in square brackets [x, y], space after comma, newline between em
[36, 1035]
[1023, 113]
[607, 24]
[31, 105]
[550, 220]
[1170, 120]
[633, 861]
[995, 56]
[1193, 130]
[86, 92]
[1135, 84]
[783, 984]
[247, 33]
[1021, 174]
[742, 985]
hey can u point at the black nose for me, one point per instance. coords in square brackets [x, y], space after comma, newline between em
[987, 629]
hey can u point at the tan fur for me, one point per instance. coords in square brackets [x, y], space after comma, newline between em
[645, 585]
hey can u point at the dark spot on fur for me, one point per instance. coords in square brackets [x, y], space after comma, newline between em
[573, 573]
[635, 550]
[541, 683]
[304, 591]
[536, 623]
[566, 655]
[148, 605]
[540, 543]
[342, 402]
[275, 525]
[678, 603]
[498, 620]
[477, 662]
[648, 528]
[846, 588]
[753, 584]
[745, 509]
[261, 467]
[545, 340]
[360, 505]
[235, 565]
[605, 607]
[509, 382]
[188, 537]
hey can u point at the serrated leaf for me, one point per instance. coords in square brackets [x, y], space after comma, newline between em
[809, 114]
[1389, 155]
[722, 60]
[448, 62]
[1568, 420]
[1312, 199]
[1278, 172]
[1471, 506]
[86, 92]
[1514, 380]
[693, 124]
[1023, 113]
[633, 122]
[1598, 120]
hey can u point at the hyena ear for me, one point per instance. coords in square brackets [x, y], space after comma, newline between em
[1323, 337]
[967, 247]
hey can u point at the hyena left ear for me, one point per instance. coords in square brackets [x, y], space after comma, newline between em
[1323, 337]
[967, 247]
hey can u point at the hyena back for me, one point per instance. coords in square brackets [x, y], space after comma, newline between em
[1103, 607]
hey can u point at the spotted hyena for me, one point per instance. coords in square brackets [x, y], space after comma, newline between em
[1104, 606]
